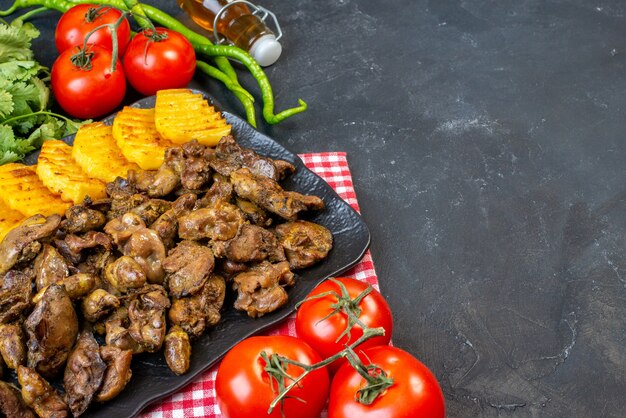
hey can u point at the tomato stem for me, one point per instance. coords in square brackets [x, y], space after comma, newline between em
[376, 378]
[349, 307]
[277, 359]
[95, 12]
[154, 35]
[82, 58]
[114, 41]
[275, 368]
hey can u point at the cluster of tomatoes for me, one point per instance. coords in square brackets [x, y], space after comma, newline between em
[244, 387]
[91, 82]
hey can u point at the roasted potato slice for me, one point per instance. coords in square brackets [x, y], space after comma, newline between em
[96, 152]
[136, 135]
[24, 192]
[61, 174]
[9, 219]
[181, 115]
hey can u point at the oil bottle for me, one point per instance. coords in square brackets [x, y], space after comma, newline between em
[239, 25]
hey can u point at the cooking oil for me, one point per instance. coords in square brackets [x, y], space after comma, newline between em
[240, 25]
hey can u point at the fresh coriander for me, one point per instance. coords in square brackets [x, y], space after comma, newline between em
[25, 119]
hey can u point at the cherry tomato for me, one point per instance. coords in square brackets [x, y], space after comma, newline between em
[244, 388]
[162, 61]
[414, 392]
[321, 331]
[78, 21]
[88, 92]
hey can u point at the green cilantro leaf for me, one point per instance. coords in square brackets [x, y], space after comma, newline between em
[15, 42]
[12, 148]
[25, 119]
[19, 70]
[6, 104]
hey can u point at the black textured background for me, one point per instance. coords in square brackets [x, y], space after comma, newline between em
[486, 140]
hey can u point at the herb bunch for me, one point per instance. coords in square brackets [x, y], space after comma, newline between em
[25, 117]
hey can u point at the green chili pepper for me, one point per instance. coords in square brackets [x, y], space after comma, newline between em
[60, 5]
[243, 95]
[136, 9]
[31, 13]
[257, 72]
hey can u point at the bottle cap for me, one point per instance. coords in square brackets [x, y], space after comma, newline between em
[266, 50]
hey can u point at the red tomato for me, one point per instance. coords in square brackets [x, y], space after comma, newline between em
[244, 388]
[153, 65]
[81, 19]
[88, 92]
[414, 392]
[321, 331]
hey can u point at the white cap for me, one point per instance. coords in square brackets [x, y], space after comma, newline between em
[266, 50]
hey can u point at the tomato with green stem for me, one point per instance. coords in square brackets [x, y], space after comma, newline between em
[87, 83]
[251, 376]
[389, 383]
[333, 314]
[159, 59]
[75, 24]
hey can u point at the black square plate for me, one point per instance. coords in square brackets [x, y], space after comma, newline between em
[152, 379]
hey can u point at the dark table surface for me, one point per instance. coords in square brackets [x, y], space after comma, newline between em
[486, 141]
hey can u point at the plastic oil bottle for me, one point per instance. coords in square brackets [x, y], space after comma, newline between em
[240, 25]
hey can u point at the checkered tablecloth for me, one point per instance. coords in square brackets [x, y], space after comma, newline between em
[198, 398]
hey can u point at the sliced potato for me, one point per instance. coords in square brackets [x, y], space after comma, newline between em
[24, 192]
[62, 175]
[97, 153]
[136, 135]
[9, 219]
[181, 115]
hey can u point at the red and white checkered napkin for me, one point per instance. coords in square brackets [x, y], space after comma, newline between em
[198, 398]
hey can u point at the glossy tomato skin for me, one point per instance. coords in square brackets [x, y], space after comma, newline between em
[90, 93]
[73, 27]
[321, 333]
[156, 65]
[244, 389]
[414, 393]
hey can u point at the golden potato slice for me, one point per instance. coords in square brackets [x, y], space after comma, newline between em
[9, 219]
[136, 135]
[61, 174]
[181, 116]
[97, 153]
[24, 192]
